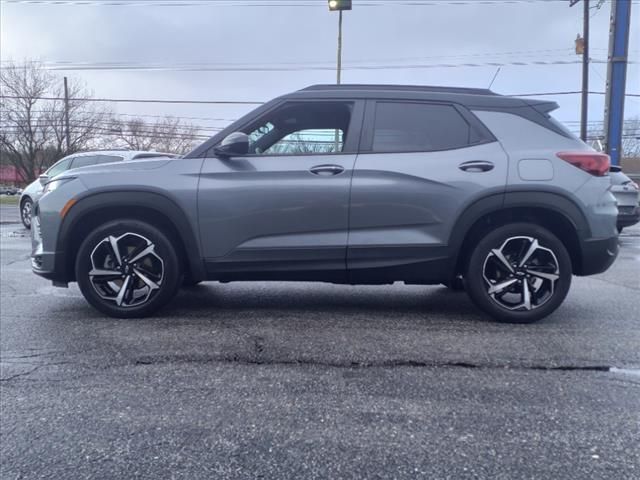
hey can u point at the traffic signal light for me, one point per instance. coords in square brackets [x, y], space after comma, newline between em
[335, 5]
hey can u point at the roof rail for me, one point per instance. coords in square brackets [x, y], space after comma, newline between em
[408, 88]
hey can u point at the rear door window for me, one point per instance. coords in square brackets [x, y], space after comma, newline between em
[420, 127]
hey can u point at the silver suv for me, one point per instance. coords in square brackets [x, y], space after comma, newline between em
[352, 184]
[80, 159]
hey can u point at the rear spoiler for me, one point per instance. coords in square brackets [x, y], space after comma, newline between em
[543, 107]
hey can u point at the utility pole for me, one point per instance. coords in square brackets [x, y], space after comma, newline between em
[616, 78]
[582, 47]
[584, 114]
[339, 64]
[66, 115]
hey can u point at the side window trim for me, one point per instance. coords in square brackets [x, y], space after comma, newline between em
[351, 146]
[366, 145]
[474, 122]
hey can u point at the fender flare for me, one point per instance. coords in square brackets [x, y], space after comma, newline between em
[126, 199]
[550, 200]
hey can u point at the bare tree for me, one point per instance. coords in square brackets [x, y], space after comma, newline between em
[630, 137]
[169, 135]
[318, 141]
[32, 128]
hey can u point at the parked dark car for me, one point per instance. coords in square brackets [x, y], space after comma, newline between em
[9, 190]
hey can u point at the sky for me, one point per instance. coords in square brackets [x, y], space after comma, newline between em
[299, 37]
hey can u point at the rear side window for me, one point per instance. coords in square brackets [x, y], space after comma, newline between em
[420, 127]
[107, 159]
[84, 161]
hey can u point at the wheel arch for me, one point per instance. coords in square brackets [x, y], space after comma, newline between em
[555, 212]
[94, 210]
[24, 198]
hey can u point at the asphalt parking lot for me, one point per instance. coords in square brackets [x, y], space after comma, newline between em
[285, 380]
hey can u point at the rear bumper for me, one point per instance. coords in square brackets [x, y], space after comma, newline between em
[598, 255]
[628, 216]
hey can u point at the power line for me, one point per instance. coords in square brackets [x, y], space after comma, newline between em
[129, 100]
[575, 92]
[143, 115]
[234, 102]
[518, 53]
[124, 66]
[265, 3]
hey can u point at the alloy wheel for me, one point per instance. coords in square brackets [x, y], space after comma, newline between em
[26, 212]
[521, 275]
[126, 269]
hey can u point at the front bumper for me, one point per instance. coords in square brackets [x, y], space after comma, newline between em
[598, 255]
[628, 216]
[44, 263]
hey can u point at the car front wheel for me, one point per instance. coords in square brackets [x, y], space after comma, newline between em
[26, 209]
[128, 269]
[519, 273]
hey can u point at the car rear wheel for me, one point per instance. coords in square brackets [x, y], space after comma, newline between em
[519, 273]
[128, 269]
[26, 210]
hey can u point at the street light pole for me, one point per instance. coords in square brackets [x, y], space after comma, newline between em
[339, 6]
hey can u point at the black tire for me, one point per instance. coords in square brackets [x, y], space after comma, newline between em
[26, 211]
[134, 236]
[189, 282]
[551, 292]
[456, 284]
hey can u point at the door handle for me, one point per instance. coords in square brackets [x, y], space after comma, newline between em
[326, 170]
[476, 166]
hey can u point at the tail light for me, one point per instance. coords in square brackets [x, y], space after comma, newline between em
[591, 162]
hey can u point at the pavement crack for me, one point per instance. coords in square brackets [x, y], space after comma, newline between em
[34, 355]
[32, 370]
[393, 363]
[23, 374]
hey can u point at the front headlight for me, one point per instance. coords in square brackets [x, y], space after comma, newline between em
[54, 184]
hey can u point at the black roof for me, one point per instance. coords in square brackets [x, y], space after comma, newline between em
[397, 88]
[480, 98]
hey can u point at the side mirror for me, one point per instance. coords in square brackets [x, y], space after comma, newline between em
[44, 178]
[236, 143]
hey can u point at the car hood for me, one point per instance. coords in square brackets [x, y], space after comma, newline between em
[129, 166]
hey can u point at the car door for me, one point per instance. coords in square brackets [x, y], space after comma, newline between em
[421, 164]
[282, 210]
